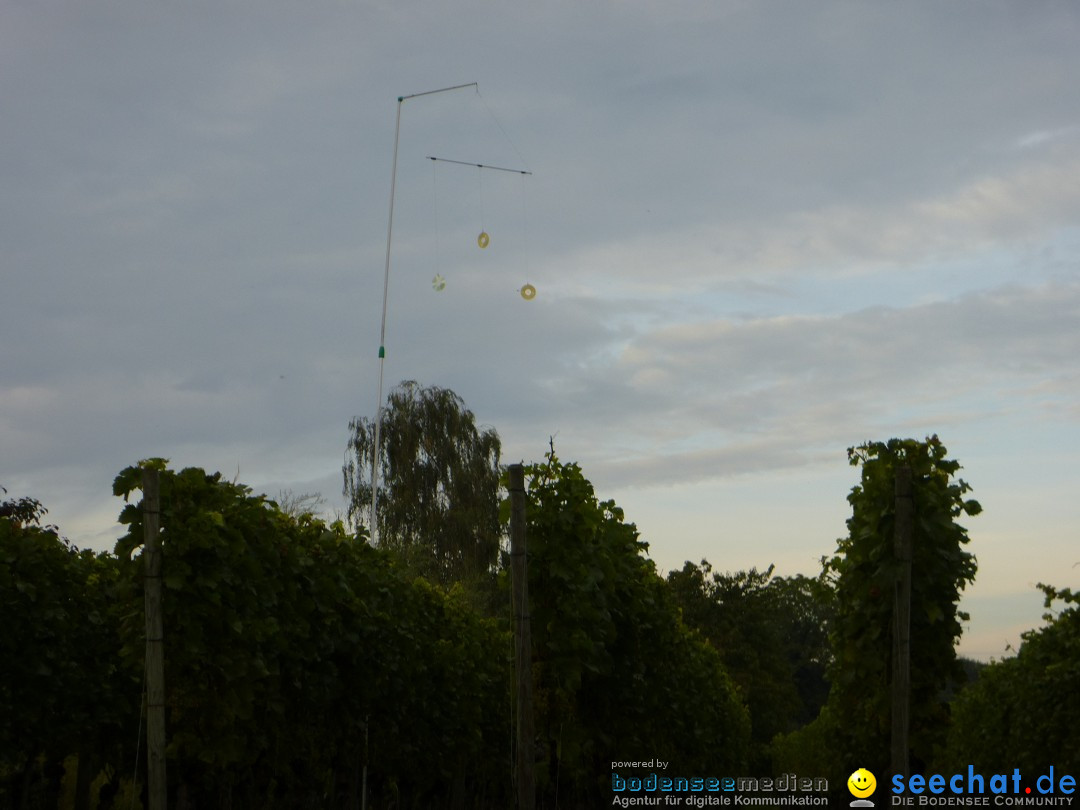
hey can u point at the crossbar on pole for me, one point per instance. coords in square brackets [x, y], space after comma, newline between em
[478, 165]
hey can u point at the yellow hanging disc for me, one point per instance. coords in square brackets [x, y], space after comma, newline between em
[438, 283]
[483, 240]
[528, 292]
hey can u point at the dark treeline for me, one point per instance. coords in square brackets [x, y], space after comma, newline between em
[301, 662]
[306, 668]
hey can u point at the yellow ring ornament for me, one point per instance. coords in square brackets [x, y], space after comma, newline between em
[528, 292]
[483, 240]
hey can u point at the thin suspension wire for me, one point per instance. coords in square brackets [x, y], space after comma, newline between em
[500, 126]
[480, 186]
[435, 214]
[524, 231]
[480, 181]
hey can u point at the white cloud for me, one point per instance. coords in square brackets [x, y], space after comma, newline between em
[1027, 202]
[1040, 137]
[711, 395]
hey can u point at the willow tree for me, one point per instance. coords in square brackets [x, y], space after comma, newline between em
[438, 478]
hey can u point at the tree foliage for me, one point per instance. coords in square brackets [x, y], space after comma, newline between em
[438, 501]
[863, 573]
[296, 655]
[1023, 712]
[617, 673]
[63, 687]
[771, 634]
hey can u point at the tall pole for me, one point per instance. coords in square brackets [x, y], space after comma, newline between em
[522, 640]
[385, 295]
[904, 528]
[155, 652]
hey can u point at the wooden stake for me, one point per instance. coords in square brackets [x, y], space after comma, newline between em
[901, 677]
[523, 640]
[155, 648]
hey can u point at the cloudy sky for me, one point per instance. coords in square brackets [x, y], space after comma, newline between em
[760, 232]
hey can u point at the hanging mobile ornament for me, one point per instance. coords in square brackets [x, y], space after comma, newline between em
[438, 282]
[483, 240]
[528, 292]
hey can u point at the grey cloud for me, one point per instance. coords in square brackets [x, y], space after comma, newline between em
[194, 204]
[788, 387]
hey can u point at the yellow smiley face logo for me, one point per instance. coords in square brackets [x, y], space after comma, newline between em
[861, 783]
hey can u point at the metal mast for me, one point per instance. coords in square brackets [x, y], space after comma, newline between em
[386, 290]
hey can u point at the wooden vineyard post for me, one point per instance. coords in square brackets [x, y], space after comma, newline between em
[155, 648]
[526, 785]
[901, 654]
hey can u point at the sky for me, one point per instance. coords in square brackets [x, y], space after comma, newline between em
[760, 233]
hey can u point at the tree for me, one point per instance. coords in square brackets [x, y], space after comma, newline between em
[296, 656]
[62, 688]
[438, 474]
[770, 633]
[863, 572]
[297, 504]
[616, 671]
[1023, 712]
